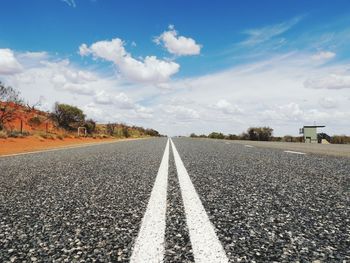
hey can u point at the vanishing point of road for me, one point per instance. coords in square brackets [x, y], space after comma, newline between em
[174, 200]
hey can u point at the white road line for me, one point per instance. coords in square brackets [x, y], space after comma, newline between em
[294, 152]
[149, 245]
[205, 244]
[249, 146]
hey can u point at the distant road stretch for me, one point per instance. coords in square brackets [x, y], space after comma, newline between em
[174, 200]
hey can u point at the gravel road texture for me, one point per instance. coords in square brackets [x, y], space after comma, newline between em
[340, 150]
[86, 204]
[272, 206]
[76, 205]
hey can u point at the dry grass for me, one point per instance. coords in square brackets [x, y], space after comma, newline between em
[3, 135]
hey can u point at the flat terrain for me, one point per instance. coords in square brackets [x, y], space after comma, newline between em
[327, 149]
[88, 204]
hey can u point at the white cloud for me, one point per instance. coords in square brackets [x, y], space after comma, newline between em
[34, 55]
[181, 113]
[178, 45]
[148, 70]
[226, 107]
[332, 81]
[70, 2]
[288, 112]
[260, 35]
[8, 62]
[121, 100]
[323, 55]
[328, 103]
[271, 92]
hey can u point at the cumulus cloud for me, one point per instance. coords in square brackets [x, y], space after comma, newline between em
[181, 113]
[332, 81]
[226, 107]
[149, 70]
[323, 55]
[8, 62]
[178, 45]
[121, 100]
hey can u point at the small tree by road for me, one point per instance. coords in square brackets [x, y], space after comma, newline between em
[10, 102]
[67, 116]
[260, 133]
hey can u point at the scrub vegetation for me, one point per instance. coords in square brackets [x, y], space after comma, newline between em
[266, 134]
[18, 120]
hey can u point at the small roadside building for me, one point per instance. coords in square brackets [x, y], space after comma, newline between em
[310, 133]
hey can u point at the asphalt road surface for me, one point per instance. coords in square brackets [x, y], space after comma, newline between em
[179, 200]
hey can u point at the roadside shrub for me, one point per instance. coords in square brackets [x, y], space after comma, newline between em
[90, 126]
[60, 137]
[340, 139]
[67, 116]
[3, 135]
[125, 131]
[18, 134]
[48, 136]
[260, 133]
[216, 135]
[232, 137]
[35, 121]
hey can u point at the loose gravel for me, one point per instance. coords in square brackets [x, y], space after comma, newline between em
[76, 205]
[270, 206]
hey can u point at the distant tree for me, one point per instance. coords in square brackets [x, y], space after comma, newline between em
[10, 102]
[67, 116]
[260, 133]
[193, 135]
[232, 137]
[216, 135]
[243, 136]
[152, 132]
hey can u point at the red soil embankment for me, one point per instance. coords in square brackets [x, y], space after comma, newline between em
[30, 144]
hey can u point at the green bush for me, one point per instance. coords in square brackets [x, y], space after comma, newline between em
[35, 121]
[67, 116]
[216, 135]
[260, 133]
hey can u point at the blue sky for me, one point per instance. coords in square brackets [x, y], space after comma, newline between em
[183, 66]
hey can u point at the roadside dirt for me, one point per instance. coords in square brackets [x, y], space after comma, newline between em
[30, 144]
[325, 149]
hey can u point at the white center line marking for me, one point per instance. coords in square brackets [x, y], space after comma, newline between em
[294, 152]
[249, 146]
[149, 245]
[206, 246]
